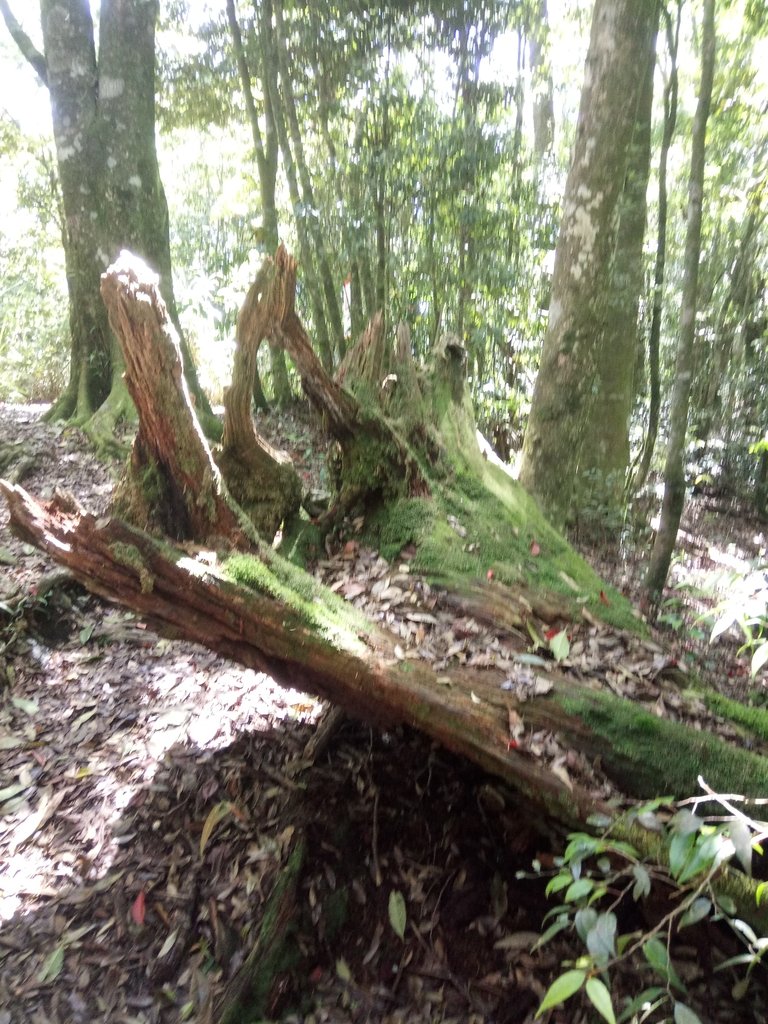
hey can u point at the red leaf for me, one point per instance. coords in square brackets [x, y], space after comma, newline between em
[603, 598]
[316, 975]
[535, 549]
[551, 632]
[489, 574]
[138, 908]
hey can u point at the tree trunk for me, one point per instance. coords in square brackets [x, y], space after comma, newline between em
[565, 385]
[674, 469]
[289, 164]
[657, 305]
[266, 152]
[602, 476]
[330, 291]
[315, 643]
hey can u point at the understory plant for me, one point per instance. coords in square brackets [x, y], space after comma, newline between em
[599, 875]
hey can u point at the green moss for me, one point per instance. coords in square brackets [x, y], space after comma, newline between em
[311, 605]
[130, 556]
[302, 542]
[647, 755]
[753, 719]
[275, 952]
[336, 908]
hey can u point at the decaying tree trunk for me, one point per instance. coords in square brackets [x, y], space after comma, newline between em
[171, 483]
[309, 639]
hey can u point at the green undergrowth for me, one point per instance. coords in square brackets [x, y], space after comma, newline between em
[477, 526]
[632, 741]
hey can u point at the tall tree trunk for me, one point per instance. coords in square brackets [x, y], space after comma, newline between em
[674, 469]
[622, 31]
[289, 164]
[654, 337]
[603, 470]
[266, 153]
[330, 292]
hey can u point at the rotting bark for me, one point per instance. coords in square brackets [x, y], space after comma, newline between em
[261, 479]
[171, 482]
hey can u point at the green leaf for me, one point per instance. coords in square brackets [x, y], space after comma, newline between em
[759, 658]
[51, 969]
[86, 633]
[645, 999]
[685, 1015]
[554, 929]
[680, 848]
[579, 889]
[760, 892]
[685, 822]
[562, 988]
[600, 998]
[343, 972]
[560, 645]
[642, 884]
[704, 858]
[601, 941]
[697, 911]
[561, 881]
[397, 913]
[585, 921]
[657, 955]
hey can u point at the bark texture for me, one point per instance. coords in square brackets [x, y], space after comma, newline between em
[171, 483]
[605, 460]
[566, 383]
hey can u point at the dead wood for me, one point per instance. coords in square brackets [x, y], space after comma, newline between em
[171, 483]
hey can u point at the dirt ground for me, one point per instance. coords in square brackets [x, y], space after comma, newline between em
[151, 793]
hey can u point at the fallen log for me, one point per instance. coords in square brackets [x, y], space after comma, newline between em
[264, 614]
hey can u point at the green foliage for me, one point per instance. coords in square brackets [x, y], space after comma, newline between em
[747, 609]
[599, 876]
[34, 343]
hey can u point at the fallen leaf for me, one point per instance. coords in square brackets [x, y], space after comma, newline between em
[397, 913]
[51, 969]
[216, 814]
[138, 908]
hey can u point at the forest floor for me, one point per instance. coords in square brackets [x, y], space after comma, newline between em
[149, 793]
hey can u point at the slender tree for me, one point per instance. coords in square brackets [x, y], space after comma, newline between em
[674, 469]
[566, 385]
[265, 148]
[654, 336]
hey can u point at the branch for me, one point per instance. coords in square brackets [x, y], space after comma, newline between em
[24, 43]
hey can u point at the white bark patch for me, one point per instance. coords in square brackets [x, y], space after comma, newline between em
[589, 146]
[111, 88]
